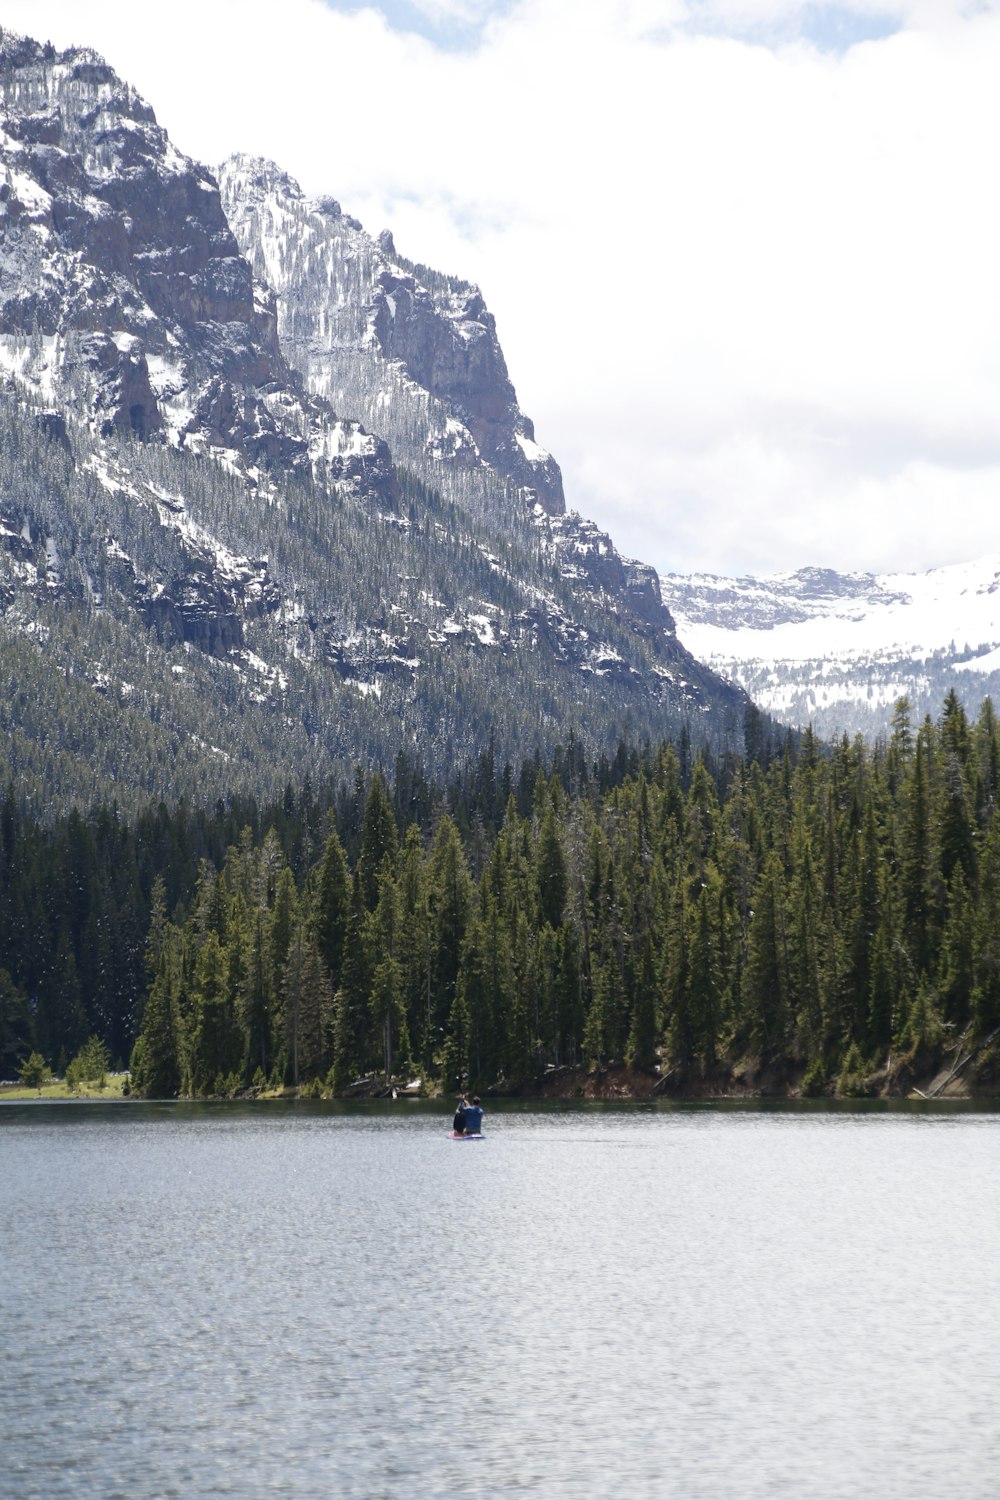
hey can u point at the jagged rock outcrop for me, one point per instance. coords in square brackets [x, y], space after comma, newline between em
[411, 352]
[415, 353]
[123, 397]
[205, 611]
[123, 285]
[587, 554]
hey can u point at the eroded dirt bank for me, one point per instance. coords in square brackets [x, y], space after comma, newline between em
[960, 1074]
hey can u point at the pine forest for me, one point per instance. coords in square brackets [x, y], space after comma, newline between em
[796, 919]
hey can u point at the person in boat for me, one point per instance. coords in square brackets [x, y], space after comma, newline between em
[458, 1123]
[472, 1116]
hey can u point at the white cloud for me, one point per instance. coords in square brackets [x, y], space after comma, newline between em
[747, 292]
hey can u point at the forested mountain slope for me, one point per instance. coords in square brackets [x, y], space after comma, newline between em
[210, 579]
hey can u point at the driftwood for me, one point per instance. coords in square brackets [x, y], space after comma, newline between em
[662, 1082]
[959, 1067]
[360, 1086]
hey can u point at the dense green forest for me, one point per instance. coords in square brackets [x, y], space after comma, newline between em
[827, 919]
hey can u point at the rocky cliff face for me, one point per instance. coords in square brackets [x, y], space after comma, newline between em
[123, 287]
[415, 354]
[411, 352]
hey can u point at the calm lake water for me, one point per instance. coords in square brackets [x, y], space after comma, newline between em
[215, 1300]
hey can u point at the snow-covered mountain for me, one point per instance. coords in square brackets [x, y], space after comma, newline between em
[410, 351]
[124, 291]
[247, 532]
[838, 650]
[414, 353]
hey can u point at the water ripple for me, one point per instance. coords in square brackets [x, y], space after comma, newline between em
[202, 1303]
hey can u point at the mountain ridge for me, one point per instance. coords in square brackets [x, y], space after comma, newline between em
[259, 583]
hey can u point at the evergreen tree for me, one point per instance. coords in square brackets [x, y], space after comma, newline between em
[449, 895]
[333, 903]
[601, 1029]
[956, 821]
[215, 1049]
[256, 1001]
[155, 1064]
[644, 1032]
[570, 997]
[706, 957]
[34, 1071]
[306, 1005]
[379, 840]
[917, 864]
[550, 871]
[806, 973]
[985, 997]
[883, 982]
[283, 919]
[767, 967]
[352, 1023]
[413, 947]
[16, 1025]
[957, 953]
[386, 996]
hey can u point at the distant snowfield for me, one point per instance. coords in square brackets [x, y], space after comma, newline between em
[911, 613]
[839, 650]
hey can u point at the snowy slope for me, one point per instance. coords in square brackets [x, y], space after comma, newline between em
[838, 650]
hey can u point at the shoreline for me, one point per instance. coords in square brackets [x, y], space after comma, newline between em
[616, 1084]
[961, 1071]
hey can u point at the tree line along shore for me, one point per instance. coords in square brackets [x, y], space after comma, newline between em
[804, 919]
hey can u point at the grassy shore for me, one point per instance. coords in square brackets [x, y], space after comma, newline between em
[57, 1088]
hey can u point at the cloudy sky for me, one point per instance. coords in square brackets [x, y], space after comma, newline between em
[743, 254]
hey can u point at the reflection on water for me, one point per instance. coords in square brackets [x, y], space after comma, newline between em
[311, 1301]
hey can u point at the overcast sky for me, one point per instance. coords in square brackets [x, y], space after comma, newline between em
[743, 254]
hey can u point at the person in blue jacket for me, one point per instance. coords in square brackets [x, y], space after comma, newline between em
[472, 1116]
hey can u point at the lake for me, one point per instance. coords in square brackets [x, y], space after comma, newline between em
[314, 1300]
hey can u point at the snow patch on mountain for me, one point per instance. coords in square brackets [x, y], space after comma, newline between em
[839, 650]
